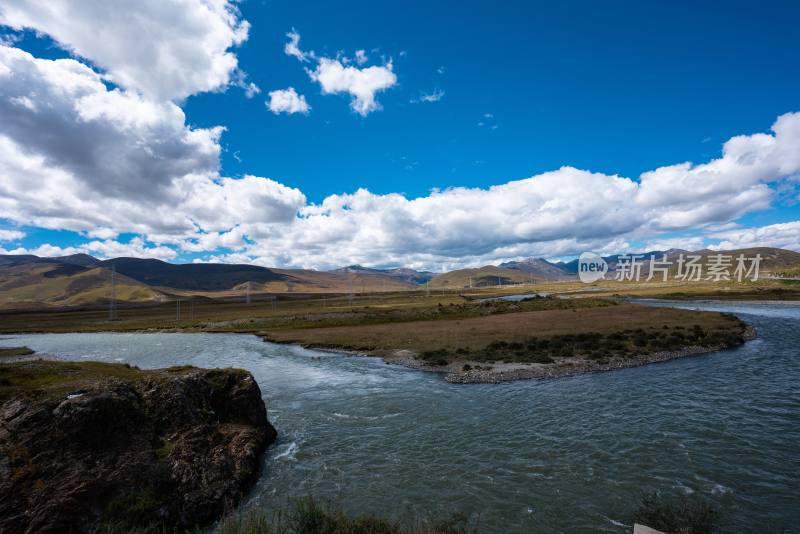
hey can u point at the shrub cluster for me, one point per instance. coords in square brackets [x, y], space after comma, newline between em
[593, 345]
[308, 516]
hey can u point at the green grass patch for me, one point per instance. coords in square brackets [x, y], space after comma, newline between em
[37, 377]
[14, 351]
[595, 345]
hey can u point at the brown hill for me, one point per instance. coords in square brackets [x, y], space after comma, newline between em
[36, 284]
[486, 276]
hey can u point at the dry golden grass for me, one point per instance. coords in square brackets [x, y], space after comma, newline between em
[31, 285]
[476, 333]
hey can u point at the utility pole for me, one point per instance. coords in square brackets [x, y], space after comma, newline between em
[247, 293]
[470, 282]
[112, 304]
[427, 289]
[178, 310]
[350, 296]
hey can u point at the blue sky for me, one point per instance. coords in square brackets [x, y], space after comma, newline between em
[524, 88]
[618, 90]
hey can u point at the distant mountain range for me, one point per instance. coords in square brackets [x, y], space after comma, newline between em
[540, 267]
[31, 281]
[402, 273]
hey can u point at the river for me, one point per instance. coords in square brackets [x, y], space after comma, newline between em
[565, 455]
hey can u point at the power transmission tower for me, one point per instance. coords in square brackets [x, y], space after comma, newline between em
[350, 296]
[112, 304]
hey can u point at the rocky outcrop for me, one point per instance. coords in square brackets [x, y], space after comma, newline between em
[90, 446]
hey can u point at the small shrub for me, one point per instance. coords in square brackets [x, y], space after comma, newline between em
[434, 355]
[677, 515]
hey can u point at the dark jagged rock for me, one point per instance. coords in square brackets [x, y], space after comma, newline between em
[91, 446]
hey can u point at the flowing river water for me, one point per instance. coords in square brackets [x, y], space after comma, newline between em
[565, 455]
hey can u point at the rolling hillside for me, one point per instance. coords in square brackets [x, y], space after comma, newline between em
[192, 276]
[301, 280]
[34, 284]
[486, 276]
[402, 273]
[28, 281]
[539, 267]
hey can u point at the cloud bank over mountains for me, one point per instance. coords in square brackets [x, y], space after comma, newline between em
[99, 144]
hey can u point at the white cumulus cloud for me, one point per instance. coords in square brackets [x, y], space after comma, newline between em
[782, 235]
[85, 158]
[361, 84]
[11, 235]
[336, 76]
[165, 49]
[287, 101]
[292, 48]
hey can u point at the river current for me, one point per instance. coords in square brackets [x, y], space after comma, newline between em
[566, 455]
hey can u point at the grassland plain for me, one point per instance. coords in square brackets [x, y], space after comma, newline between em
[540, 338]
[460, 334]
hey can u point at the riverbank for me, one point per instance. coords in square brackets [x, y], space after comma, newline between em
[547, 343]
[479, 372]
[473, 340]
